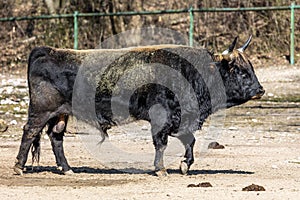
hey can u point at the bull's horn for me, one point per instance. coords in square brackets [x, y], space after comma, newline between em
[244, 47]
[231, 47]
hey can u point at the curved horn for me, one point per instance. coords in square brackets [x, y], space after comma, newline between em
[231, 47]
[244, 47]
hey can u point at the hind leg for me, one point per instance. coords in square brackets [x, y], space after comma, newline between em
[31, 132]
[188, 140]
[57, 127]
[160, 141]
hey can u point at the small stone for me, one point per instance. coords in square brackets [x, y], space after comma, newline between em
[215, 145]
[254, 120]
[203, 184]
[254, 187]
[232, 128]
[17, 109]
[3, 126]
[274, 166]
[13, 122]
[23, 104]
[192, 185]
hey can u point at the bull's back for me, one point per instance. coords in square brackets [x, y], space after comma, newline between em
[151, 73]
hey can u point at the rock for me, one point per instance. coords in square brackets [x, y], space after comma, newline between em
[13, 122]
[254, 120]
[232, 128]
[254, 187]
[215, 145]
[3, 126]
[274, 166]
[203, 184]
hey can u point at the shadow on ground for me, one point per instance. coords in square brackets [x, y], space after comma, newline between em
[89, 170]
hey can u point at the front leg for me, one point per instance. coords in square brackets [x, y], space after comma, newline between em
[188, 140]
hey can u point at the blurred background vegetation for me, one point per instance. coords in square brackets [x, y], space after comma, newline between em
[271, 29]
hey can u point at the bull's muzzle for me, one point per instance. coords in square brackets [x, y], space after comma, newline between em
[259, 94]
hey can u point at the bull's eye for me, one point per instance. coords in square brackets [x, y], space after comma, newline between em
[245, 75]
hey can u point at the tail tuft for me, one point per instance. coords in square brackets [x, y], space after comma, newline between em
[36, 149]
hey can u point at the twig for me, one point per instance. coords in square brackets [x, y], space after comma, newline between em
[21, 29]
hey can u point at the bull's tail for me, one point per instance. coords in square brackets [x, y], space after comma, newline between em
[36, 149]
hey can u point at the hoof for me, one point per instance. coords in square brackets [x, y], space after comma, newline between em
[184, 167]
[69, 172]
[59, 127]
[161, 173]
[18, 171]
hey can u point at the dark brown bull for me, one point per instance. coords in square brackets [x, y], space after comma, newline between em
[51, 76]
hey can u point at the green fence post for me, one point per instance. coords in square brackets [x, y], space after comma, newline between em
[292, 33]
[191, 30]
[75, 29]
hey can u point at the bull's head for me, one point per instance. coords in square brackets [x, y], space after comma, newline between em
[238, 75]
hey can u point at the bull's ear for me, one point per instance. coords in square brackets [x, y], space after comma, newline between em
[244, 47]
[231, 47]
[218, 57]
[221, 57]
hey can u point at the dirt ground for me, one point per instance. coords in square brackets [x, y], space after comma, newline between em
[261, 139]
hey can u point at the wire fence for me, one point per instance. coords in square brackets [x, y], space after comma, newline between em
[189, 11]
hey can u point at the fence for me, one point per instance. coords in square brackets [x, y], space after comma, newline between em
[190, 11]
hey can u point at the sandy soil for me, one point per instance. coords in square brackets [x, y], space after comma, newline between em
[261, 139]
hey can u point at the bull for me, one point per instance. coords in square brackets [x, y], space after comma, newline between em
[52, 74]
